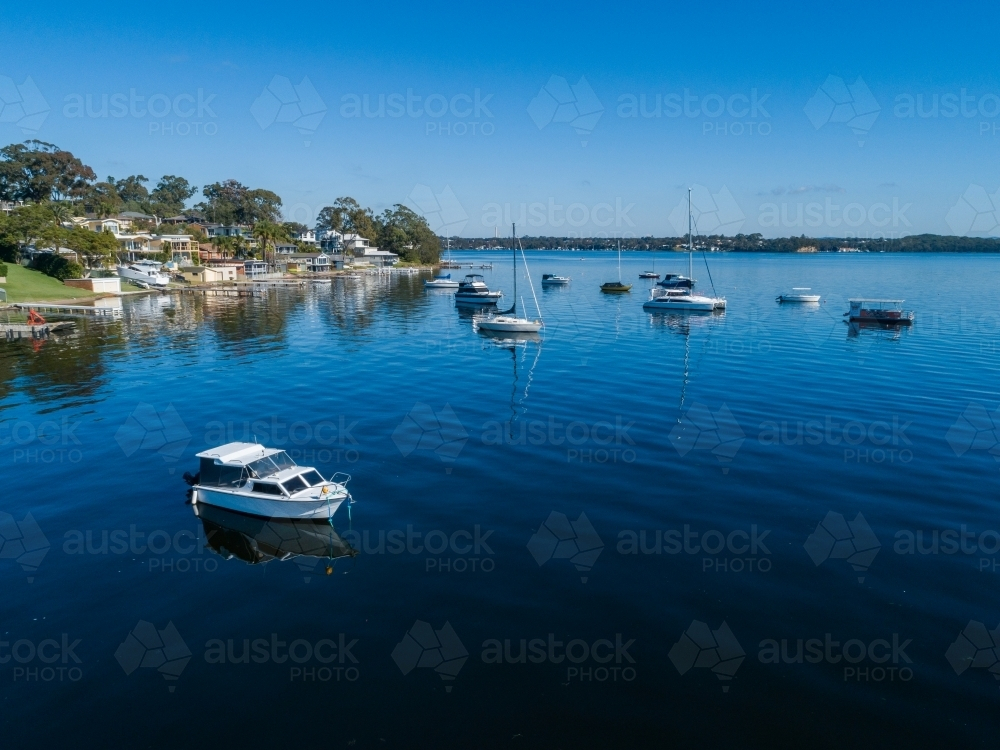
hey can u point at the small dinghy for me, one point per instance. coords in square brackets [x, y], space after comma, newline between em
[266, 482]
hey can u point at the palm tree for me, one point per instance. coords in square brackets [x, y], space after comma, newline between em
[225, 246]
[268, 233]
[60, 212]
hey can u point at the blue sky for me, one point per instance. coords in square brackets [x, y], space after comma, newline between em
[790, 119]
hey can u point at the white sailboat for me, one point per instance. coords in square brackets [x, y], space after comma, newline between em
[680, 298]
[508, 321]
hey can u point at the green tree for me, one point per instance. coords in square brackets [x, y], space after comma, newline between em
[407, 234]
[37, 171]
[132, 190]
[170, 195]
[231, 202]
[96, 248]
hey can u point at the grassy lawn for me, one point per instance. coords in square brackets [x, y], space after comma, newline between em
[25, 285]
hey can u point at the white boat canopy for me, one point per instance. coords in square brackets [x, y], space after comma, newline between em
[238, 453]
[881, 301]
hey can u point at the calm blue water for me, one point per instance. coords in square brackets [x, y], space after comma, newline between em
[609, 487]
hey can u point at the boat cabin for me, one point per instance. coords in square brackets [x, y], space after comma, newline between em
[254, 468]
[879, 311]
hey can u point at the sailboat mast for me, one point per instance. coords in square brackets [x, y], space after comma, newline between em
[690, 243]
[513, 257]
[619, 261]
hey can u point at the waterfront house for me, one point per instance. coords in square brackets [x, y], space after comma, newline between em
[254, 269]
[312, 262]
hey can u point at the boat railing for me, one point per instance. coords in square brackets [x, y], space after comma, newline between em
[344, 481]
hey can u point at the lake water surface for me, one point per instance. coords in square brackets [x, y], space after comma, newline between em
[755, 528]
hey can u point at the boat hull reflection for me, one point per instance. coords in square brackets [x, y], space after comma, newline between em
[259, 540]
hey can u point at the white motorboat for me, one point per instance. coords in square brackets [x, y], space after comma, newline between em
[508, 321]
[681, 299]
[441, 281]
[249, 478]
[473, 290]
[551, 279]
[798, 295]
[649, 275]
[145, 272]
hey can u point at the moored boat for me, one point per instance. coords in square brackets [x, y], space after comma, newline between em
[473, 290]
[798, 295]
[681, 299]
[508, 321]
[441, 281]
[649, 275]
[878, 311]
[551, 279]
[249, 478]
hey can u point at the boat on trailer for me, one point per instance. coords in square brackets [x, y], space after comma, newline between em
[249, 478]
[879, 311]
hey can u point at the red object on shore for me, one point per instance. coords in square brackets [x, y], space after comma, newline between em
[34, 319]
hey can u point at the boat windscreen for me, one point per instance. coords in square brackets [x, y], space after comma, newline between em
[313, 477]
[265, 467]
[293, 485]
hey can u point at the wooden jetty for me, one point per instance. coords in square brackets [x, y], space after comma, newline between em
[89, 311]
[16, 332]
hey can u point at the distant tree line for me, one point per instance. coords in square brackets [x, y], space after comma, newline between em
[929, 243]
